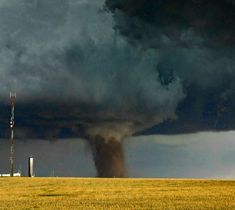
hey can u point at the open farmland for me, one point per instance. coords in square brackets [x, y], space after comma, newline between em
[78, 193]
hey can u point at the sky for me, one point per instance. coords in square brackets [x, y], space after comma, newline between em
[201, 155]
[108, 70]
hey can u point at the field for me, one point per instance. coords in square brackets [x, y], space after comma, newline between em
[76, 193]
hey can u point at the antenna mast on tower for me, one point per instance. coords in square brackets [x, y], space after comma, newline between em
[12, 124]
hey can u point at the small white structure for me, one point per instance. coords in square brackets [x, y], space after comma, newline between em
[18, 174]
[4, 175]
[30, 167]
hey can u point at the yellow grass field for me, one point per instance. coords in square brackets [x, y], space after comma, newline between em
[78, 193]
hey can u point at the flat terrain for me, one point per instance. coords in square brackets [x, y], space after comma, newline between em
[76, 193]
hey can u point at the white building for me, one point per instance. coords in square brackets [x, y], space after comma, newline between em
[8, 175]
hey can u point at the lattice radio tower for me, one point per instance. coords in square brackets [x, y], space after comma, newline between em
[12, 125]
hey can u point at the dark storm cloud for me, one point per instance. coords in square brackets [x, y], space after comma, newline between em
[75, 71]
[75, 75]
[72, 71]
[179, 22]
[196, 42]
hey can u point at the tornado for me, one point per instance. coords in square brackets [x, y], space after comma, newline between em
[105, 70]
[105, 140]
[108, 157]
